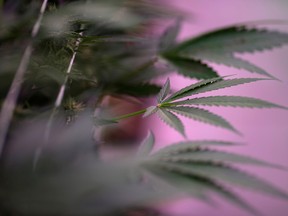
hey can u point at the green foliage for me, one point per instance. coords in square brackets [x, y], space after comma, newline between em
[195, 169]
[184, 67]
[87, 51]
[170, 105]
[233, 101]
[233, 40]
[220, 46]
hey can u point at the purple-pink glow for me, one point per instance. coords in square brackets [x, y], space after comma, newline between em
[264, 131]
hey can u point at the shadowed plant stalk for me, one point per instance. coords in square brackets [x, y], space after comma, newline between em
[58, 100]
[10, 101]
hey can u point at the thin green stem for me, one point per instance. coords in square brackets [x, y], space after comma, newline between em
[165, 104]
[139, 112]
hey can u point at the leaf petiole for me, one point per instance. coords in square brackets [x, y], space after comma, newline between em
[139, 112]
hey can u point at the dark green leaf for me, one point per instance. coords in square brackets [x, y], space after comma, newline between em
[140, 90]
[189, 186]
[232, 61]
[233, 39]
[203, 86]
[196, 186]
[192, 68]
[171, 120]
[189, 146]
[186, 91]
[201, 154]
[227, 174]
[234, 101]
[164, 91]
[202, 116]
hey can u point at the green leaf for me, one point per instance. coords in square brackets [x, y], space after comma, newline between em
[233, 39]
[191, 68]
[139, 90]
[147, 145]
[231, 61]
[150, 111]
[209, 86]
[187, 185]
[189, 146]
[233, 101]
[196, 186]
[171, 120]
[164, 91]
[226, 174]
[167, 40]
[202, 116]
[201, 154]
[184, 92]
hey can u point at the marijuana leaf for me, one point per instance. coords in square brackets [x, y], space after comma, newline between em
[164, 91]
[209, 85]
[223, 172]
[197, 153]
[191, 68]
[186, 91]
[195, 185]
[185, 166]
[231, 61]
[147, 145]
[167, 40]
[202, 116]
[167, 107]
[220, 46]
[233, 39]
[233, 101]
[171, 120]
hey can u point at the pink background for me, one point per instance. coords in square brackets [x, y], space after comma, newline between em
[265, 131]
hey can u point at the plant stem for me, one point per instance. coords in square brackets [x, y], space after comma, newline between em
[139, 112]
[58, 101]
[10, 101]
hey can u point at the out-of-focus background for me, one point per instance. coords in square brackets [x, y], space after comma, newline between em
[265, 132]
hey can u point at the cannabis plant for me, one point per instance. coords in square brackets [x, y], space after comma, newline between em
[61, 60]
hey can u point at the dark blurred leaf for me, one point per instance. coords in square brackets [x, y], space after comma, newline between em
[190, 146]
[147, 145]
[168, 39]
[191, 154]
[226, 174]
[139, 90]
[191, 68]
[196, 186]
